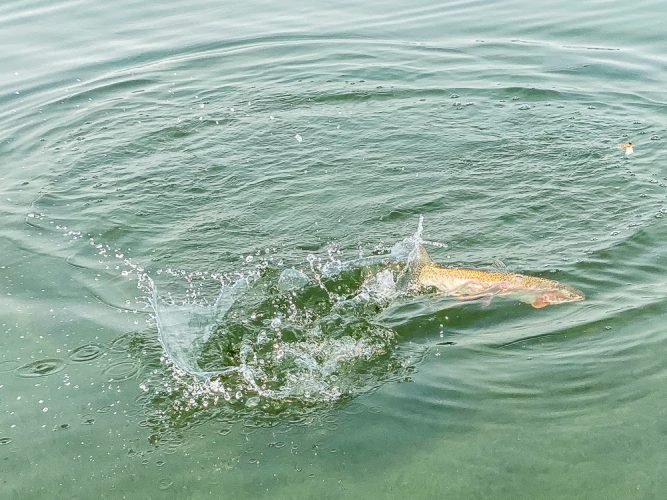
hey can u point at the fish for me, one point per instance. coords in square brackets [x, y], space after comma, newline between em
[468, 283]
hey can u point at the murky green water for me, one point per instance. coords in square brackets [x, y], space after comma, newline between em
[187, 191]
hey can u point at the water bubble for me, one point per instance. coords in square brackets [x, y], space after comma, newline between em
[41, 368]
[252, 402]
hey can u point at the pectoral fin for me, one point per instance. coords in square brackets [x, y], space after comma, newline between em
[539, 303]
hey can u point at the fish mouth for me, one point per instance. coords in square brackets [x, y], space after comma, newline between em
[572, 294]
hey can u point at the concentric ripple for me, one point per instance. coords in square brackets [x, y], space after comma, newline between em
[121, 371]
[86, 352]
[41, 368]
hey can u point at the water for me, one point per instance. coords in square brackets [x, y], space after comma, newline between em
[205, 209]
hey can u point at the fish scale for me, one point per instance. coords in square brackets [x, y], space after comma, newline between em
[468, 283]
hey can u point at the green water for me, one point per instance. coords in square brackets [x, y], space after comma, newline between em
[154, 155]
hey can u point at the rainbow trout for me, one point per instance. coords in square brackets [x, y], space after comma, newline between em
[467, 284]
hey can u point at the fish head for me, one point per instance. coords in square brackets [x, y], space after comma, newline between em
[559, 295]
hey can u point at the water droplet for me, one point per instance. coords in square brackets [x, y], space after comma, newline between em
[298, 138]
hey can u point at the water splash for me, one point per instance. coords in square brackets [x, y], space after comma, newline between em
[266, 336]
[309, 335]
[182, 329]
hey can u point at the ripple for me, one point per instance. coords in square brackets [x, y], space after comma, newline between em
[120, 371]
[87, 419]
[5, 440]
[41, 368]
[7, 366]
[121, 344]
[86, 352]
[165, 484]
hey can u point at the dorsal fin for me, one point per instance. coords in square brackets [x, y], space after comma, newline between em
[417, 260]
[422, 256]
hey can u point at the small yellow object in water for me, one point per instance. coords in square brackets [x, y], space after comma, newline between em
[628, 148]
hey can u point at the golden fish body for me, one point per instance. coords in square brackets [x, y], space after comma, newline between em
[466, 283]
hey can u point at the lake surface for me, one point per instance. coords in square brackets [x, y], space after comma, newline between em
[202, 203]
